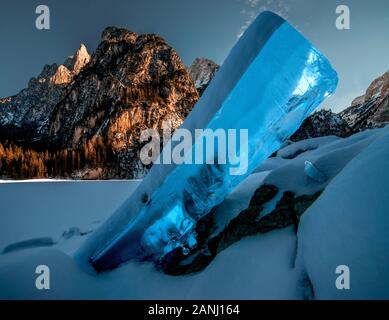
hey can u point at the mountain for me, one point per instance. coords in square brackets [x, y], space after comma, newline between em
[322, 123]
[24, 114]
[202, 72]
[83, 119]
[372, 109]
[366, 112]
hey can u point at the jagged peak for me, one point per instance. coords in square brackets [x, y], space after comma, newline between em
[116, 34]
[202, 72]
[379, 89]
[204, 61]
[357, 101]
[78, 61]
[62, 76]
[48, 71]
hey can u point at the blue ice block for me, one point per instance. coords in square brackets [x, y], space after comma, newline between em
[271, 81]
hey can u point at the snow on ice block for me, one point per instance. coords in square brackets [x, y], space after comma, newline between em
[271, 81]
[313, 172]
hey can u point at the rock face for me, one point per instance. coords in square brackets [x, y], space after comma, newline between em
[202, 72]
[83, 118]
[96, 107]
[366, 112]
[132, 83]
[322, 123]
[22, 116]
[372, 109]
[250, 221]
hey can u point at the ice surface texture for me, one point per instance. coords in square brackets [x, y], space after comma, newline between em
[271, 81]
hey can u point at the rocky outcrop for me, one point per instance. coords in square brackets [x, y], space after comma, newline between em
[253, 220]
[372, 109]
[366, 112]
[83, 118]
[132, 83]
[23, 116]
[202, 72]
[97, 107]
[322, 123]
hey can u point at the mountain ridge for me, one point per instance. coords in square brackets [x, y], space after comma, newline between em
[89, 119]
[82, 119]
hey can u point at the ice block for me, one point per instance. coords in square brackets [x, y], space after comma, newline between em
[271, 81]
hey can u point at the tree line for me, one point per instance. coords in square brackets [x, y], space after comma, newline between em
[19, 163]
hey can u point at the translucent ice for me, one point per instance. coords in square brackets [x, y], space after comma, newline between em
[314, 173]
[271, 81]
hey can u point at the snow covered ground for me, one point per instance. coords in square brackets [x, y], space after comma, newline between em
[44, 223]
[86, 205]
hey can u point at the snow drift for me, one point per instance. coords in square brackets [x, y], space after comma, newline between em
[346, 225]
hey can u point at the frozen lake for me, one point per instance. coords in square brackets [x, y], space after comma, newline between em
[34, 209]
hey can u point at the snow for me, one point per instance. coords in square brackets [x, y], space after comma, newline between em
[347, 225]
[330, 158]
[248, 280]
[31, 210]
[133, 280]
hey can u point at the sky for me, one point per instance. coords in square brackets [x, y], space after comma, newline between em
[195, 28]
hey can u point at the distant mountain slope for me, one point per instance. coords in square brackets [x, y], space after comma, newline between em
[366, 112]
[83, 119]
[202, 72]
[372, 109]
[22, 116]
[322, 123]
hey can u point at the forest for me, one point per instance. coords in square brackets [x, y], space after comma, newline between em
[19, 163]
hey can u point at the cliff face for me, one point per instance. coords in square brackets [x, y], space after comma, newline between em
[22, 116]
[202, 72]
[322, 123]
[366, 112]
[372, 109]
[96, 107]
[83, 118]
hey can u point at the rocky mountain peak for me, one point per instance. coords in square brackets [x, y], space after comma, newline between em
[322, 123]
[61, 76]
[115, 34]
[52, 74]
[372, 109]
[202, 72]
[378, 89]
[88, 113]
[78, 61]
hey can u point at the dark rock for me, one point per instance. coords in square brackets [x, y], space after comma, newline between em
[322, 123]
[202, 72]
[287, 211]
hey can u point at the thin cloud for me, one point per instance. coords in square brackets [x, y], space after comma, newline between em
[253, 7]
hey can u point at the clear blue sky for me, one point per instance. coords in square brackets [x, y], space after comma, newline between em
[207, 28]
